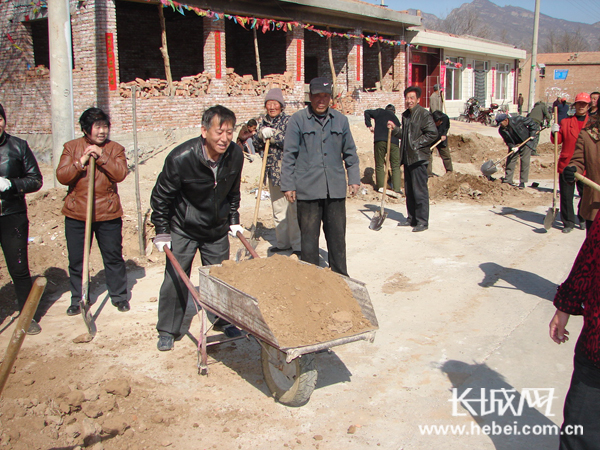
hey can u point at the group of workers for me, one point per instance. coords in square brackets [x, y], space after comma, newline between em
[312, 165]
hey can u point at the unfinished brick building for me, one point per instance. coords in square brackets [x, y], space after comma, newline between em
[212, 47]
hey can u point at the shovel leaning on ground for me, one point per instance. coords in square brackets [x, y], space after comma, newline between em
[551, 214]
[379, 216]
[85, 276]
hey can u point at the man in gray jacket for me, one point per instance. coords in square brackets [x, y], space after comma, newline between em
[318, 144]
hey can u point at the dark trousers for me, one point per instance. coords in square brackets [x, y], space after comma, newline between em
[417, 193]
[582, 408]
[567, 192]
[173, 297]
[14, 232]
[332, 213]
[110, 242]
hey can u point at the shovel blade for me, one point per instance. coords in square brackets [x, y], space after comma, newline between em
[377, 221]
[87, 316]
[488, 168]
[549, 219]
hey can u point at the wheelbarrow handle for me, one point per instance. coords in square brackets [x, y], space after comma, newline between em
[247, 245]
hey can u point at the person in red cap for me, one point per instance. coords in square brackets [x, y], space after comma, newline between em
[566, 134]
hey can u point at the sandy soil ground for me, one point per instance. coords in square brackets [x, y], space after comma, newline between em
[440, 325]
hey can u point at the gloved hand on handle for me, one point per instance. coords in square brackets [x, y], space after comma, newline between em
[267, 133]
[161, 241]
[233, 230]
[555, 128]
[515, 149]
[569, 174]
[5, 184]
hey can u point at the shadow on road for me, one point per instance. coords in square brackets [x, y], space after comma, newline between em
[506, 416]
[521, 280]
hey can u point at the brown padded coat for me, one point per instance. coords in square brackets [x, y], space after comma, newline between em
[111, 168]
[586, 158]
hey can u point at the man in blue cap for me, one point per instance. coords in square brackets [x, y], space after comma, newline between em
[515, 131]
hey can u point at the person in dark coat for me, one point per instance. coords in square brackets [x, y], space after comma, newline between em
[417, 133]
[318, 153]
[515, 131]
[19, 175]
[442, 123]
[380, 135]
[563, 109]
[195, 204]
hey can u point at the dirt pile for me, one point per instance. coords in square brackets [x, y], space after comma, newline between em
[301, 303]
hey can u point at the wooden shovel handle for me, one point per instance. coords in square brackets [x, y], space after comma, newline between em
[387, 167]
[587, 181]
[88, 224]
[260, 183]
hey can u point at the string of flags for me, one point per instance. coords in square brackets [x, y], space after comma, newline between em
[265, 25]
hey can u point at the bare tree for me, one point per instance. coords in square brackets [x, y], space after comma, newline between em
[565, 43]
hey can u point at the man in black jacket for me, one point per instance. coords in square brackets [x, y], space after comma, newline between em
[380, 134]
[515, 131]
[195, 204]
[417, 133]
[442, 123]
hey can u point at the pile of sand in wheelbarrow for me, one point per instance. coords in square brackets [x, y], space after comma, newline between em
[301, 303]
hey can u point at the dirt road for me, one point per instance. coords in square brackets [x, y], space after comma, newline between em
[463, 305]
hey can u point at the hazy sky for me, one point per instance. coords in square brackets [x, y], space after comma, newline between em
[585, 11]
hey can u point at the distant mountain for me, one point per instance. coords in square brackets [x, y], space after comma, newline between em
[514, 25]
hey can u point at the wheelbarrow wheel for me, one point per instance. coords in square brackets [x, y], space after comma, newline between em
[290, 383]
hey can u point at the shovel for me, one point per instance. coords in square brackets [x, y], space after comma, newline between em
[379, 216]
[489, 168]
[85, 280]
[253, 240]
[551, 214]
[587, 181]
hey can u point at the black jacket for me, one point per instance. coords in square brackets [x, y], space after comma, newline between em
[381, 117]
[188, 200]
[418, 133]
[18, 164]
[443, 131]
[523, 127]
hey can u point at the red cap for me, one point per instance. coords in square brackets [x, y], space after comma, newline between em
[563, 99]
[583, 97]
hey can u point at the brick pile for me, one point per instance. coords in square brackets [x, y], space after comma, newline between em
[246, 85]
[192, 86]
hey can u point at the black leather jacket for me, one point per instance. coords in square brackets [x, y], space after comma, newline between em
[190, 201]
[18, 164]
[523, 127]
[418, 133]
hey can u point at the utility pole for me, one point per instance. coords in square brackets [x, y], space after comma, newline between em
[536, 26]
[61, 77]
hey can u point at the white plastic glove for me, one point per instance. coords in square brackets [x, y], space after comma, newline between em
[554, 128]
[267, 133]
[161, 241]
[515, 149]
[4, 184]
[233, 229]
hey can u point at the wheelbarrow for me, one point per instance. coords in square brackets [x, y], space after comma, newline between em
[290, 372]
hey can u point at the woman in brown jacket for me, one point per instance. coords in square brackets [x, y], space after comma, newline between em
[586, 161]
[111, 168]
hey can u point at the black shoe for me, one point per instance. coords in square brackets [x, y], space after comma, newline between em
[567, 229]
[277, 249]
[34, 328]
[582, 225]
[123, 306]
[420, 227]
[165, 342]
[521, 186]
[406, 223]
[73, 310]
[231, 331]
[505, 181]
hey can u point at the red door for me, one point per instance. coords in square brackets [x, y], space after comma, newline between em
[419, 76]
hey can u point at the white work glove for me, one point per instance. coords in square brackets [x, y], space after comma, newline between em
[515, 149]
[233, 229]
[267, 133]
[4, 184]
[554, 128]
[161, 241]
